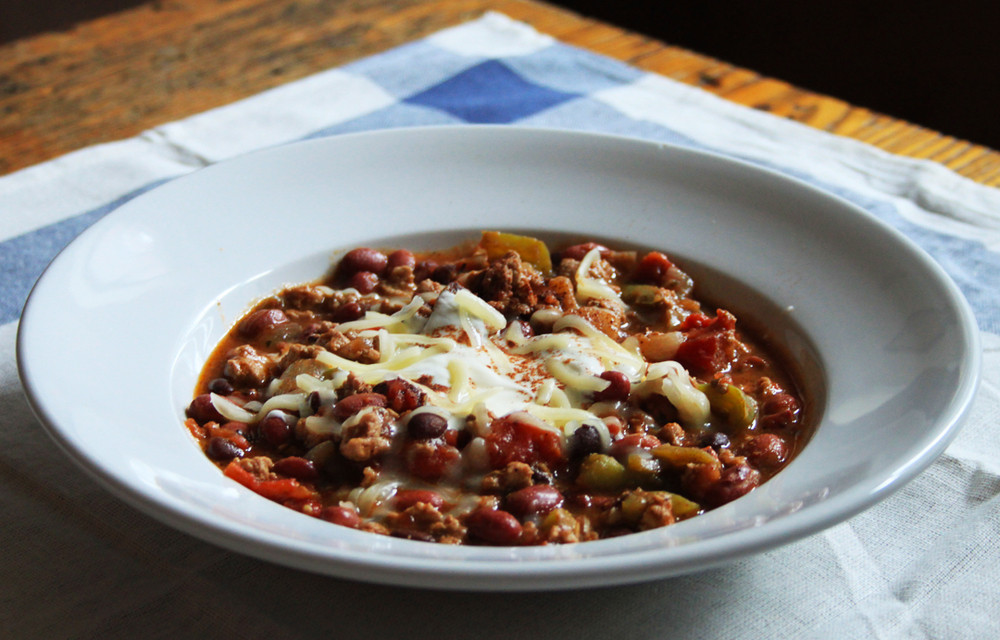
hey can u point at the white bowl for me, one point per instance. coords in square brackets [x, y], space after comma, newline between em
[116, 330]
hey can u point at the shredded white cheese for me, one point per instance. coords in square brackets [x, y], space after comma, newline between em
[588, 287]
[488, 368]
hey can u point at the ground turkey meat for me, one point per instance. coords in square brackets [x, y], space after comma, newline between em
[516, 475]
[508, 285]
[247, 368]
[424, 521]
[367, 434]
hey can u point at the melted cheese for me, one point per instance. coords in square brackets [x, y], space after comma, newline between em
[588, 287]
[469, 362]
[466, 347]
[400, 322]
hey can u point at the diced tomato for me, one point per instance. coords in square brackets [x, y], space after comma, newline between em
[695, 321]
[228, 434]
[513, 441]
[196, 429]
[282, 490]
[653, 268]
[234, 471]
[431, 461]
[710, 343]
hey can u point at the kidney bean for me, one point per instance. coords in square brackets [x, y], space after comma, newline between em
[406, 498]
[494, 527]
[766, 450]
[585, 441]
[734, 482]
[221, 449]
[347, 312]
[363, 259]
[400, 395]
[296, 467]
[364, 281]
[424, 269]
[578, 251]
[618, 390]
[589, 500]
[779, 411]
[536, 500]
[352, 404]
[275, 430]
[425, 426]
[344, 516]
[203, 411]
[633, 441]
[400, 258]
[220, 386]
[262, 321]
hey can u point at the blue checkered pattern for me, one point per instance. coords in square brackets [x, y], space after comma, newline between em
[549, 87]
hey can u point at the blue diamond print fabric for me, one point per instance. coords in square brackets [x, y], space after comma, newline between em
[497, 71]
[490, 93]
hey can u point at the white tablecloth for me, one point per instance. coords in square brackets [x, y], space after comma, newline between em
[77, 562]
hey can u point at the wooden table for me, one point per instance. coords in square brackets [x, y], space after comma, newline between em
[116, 76]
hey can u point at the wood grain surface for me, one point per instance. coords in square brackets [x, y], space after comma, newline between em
[116, 76]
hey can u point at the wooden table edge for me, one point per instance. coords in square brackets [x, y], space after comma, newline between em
[113, 77]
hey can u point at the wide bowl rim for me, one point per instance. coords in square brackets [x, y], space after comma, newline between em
[498, 572]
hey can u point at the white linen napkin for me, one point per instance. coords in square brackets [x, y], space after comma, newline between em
[77, 562]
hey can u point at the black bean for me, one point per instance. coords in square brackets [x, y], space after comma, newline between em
[445, 273]
[585, 441]
[425, 426]
[220, 386]
[315, 402]
[717, 440]
[540, 477]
